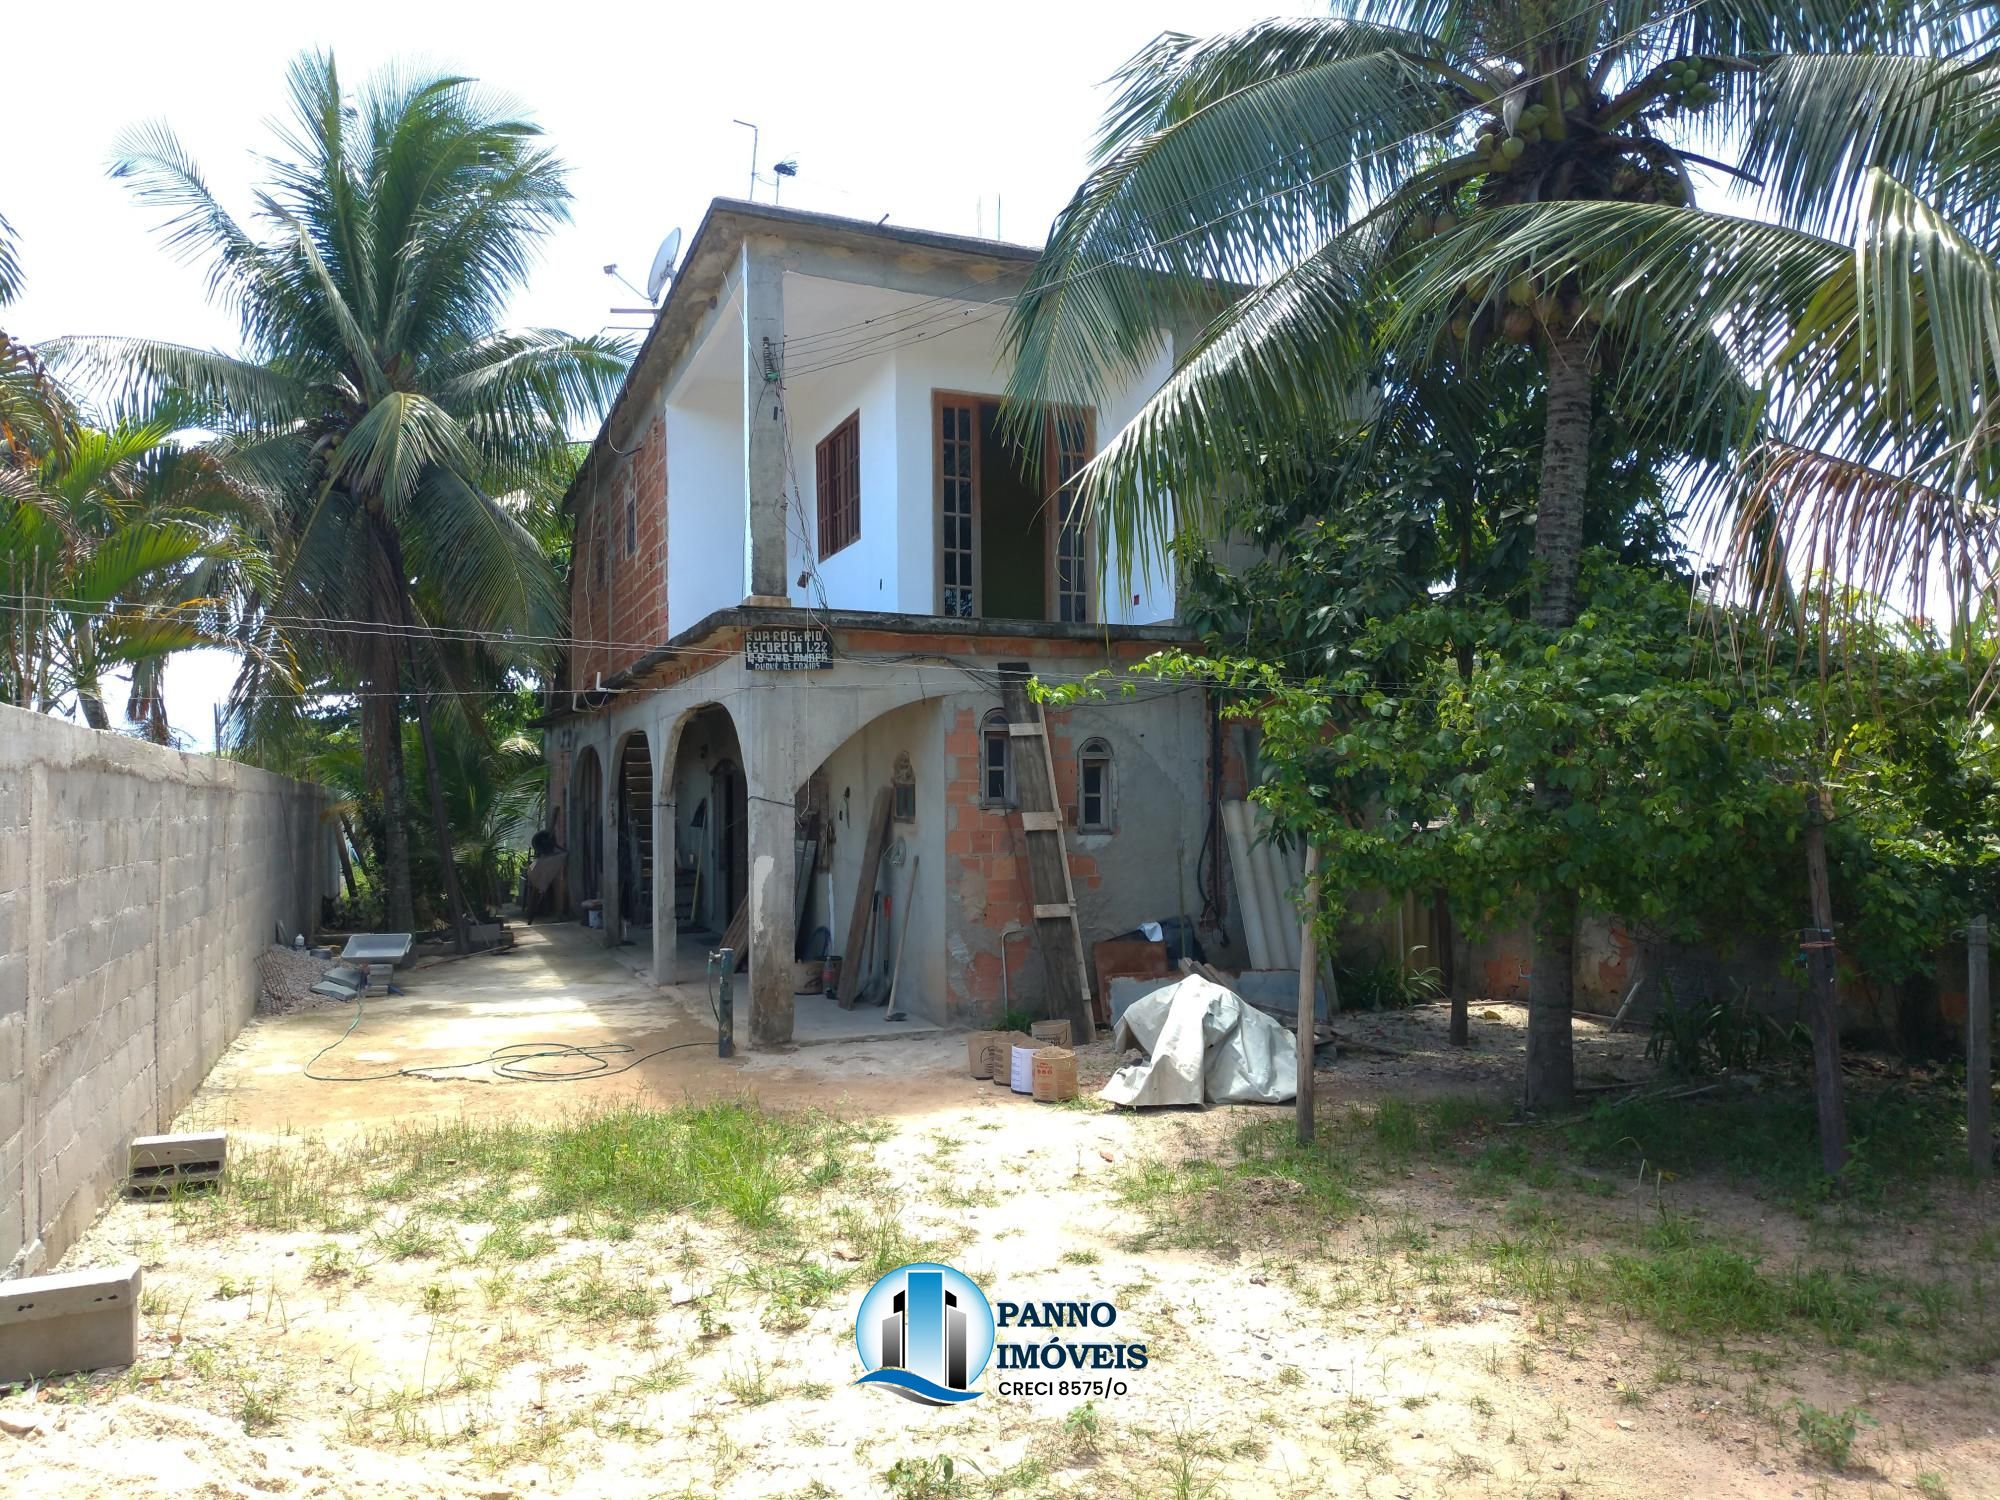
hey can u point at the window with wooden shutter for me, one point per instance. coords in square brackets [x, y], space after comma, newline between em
[837, 477]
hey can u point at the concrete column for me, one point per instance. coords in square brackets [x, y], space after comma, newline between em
[30, 1258]
[607, 812]
[773, 917]
[666, 936]
[765, 471]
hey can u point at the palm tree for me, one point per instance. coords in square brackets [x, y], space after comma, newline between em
[118, 547]
[374, 394]
[119, 544]
[1267, 190]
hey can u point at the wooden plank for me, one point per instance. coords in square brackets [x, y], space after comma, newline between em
[1978, 1049]
[736, 935]
[851, 979]
[1059, 936]
[1041, 822]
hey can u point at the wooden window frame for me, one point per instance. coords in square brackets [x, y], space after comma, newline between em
[1097, 749]
[994, 728]
[1051, 460]
[837, 487]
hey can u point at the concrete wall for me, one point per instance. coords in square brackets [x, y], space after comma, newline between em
[138, 886]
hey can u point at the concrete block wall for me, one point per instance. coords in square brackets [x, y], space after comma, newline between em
[138, 887]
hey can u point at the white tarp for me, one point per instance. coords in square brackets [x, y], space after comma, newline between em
[1202, 1044]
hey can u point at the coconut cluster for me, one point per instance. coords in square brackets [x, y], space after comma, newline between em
[1514, 307]
[1688, 83]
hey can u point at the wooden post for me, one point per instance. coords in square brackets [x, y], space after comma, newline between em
[1978, 1050]
[1823, 1008]
[1308, 986]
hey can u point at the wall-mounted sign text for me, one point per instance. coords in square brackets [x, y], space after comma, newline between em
[787, 648]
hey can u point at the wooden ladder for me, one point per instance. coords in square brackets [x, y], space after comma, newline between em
[1058, 929]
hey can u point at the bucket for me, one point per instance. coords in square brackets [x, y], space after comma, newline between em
[1021, 1077]
[1055, 1033]
[1054, 1074]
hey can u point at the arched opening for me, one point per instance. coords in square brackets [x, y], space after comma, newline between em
[711, 801]
[586, 813]
[635, 832]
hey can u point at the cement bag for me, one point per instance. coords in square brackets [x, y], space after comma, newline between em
[1203, 1044]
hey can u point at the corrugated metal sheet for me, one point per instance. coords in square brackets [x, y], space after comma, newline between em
[1268, 881]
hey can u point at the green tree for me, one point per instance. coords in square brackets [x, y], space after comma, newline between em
[401, 434]
[1312, 162]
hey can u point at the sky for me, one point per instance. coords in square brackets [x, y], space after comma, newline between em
[942, 118]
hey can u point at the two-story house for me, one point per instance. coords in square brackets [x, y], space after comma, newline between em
[805, 550]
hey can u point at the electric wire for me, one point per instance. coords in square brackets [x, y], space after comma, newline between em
[509, 1061]
[1129, 256]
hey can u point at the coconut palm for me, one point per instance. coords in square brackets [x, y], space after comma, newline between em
[1259, 195]
[1868, 313]
[374, 394]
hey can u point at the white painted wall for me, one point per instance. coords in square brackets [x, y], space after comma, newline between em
[864, 574]
[706, 501]
[894, 564]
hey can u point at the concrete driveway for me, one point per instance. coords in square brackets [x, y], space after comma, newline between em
[558, 1004]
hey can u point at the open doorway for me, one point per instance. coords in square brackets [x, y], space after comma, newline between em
[711, 804]
[1013, 540]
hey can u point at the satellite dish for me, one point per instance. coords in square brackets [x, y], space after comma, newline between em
[663, 265]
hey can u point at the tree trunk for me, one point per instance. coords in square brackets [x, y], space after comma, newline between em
[1447, 965]
[441, 824]
[93, 709]
[1823, 1002]
[381, 715]
[1461, 999]
[1565, 478]
[1551, 1070]
[346, 837]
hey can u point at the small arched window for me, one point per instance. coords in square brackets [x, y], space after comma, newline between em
[904, 780]
[1095, 795]
[996, 761]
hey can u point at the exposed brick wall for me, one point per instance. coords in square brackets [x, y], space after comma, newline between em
[628, 607]
[138, 888]
[986, 863]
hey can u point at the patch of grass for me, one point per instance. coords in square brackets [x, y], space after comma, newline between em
[1829, 1435]
[1080, 1257]
[1900, 1137]
[934, 1478]
[592, 1292]
[1083, 1432]
[1199, 1203]
[1932, 1486]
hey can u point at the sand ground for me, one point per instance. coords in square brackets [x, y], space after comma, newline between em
[1342, 1363]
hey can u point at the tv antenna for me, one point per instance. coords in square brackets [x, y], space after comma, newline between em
[753, 155]
[789, 167]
